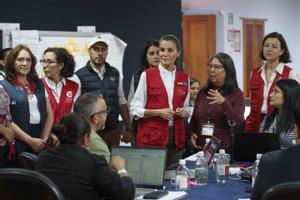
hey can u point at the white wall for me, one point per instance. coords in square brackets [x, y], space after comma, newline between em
[281, 15]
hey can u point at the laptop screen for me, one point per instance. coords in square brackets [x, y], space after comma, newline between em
[145, 166]
[247, 145]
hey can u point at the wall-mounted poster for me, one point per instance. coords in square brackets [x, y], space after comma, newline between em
[237, 40]
[75, 42]
[230, 35]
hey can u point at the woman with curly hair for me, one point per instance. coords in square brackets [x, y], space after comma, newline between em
[58, 65]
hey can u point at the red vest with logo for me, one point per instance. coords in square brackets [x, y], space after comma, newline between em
[155, 131]
[66, 100]
[253, 121]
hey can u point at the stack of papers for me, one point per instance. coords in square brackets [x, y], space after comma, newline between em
[193, 157]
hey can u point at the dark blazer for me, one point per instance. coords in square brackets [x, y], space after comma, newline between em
[81, 175]
[277, 167]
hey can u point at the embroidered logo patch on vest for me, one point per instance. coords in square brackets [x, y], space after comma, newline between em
[181, 92]
[69, 94]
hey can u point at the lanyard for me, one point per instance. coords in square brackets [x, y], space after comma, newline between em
[209, 111]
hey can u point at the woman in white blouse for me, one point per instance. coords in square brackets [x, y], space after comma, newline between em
[160, 101]
[31, 112]
[59, 65]
[276, 54]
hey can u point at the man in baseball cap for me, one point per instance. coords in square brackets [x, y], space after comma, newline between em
[98, 76]
[95, 40]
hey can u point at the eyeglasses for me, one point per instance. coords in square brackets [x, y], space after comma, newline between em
[102, 111]
[216, 67]
[47, 62]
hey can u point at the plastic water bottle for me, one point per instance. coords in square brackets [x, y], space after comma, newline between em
[254, 170]
[182, 178]
[201, 170]
[222, 167]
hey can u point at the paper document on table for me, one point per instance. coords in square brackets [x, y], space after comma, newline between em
[193, 157]
[172, 195]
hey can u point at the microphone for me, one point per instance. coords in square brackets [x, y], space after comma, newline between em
[232, 125]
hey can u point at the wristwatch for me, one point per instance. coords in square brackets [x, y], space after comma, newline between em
[122, 171]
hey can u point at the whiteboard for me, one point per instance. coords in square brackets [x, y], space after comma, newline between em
[75, 42]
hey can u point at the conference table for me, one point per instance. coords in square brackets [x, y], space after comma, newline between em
[233, 189]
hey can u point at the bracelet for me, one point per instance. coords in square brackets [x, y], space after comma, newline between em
[122, 171]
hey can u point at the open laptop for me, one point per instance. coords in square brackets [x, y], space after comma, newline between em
[247, 145]
[146, 166]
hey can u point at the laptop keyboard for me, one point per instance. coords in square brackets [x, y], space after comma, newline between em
[142, 191]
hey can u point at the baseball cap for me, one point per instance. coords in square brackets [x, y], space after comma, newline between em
[95, 40]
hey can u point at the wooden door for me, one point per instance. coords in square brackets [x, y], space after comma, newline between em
[253, 34]
[199, 44]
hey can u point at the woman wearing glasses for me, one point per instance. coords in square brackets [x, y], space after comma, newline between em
[58, 65]
[30, 108]
[218, 105]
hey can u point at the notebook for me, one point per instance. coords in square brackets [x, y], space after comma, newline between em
[247, 145]
[146, 166]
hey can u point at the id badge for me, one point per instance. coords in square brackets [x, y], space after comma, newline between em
[207, 129]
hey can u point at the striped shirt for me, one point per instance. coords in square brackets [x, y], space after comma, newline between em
[285, 139]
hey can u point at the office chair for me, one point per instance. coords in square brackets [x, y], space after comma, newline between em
[27, 160]
[20, 184]
[283, 191]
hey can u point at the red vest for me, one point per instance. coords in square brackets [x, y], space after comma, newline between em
[155, 131]
[256, 91]
[66, 100]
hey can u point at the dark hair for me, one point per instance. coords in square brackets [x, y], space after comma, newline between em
[285, 57]
[71, 128]
[10, 64]
[230, 82]
[297, 114]
[86, 103]
[3, 52]
[193, 80]
[62, 55]
[291, 95]
[144, 62]
[173, 39]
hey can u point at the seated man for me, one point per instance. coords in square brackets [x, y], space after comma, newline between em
[279, 166]
[93, 107]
